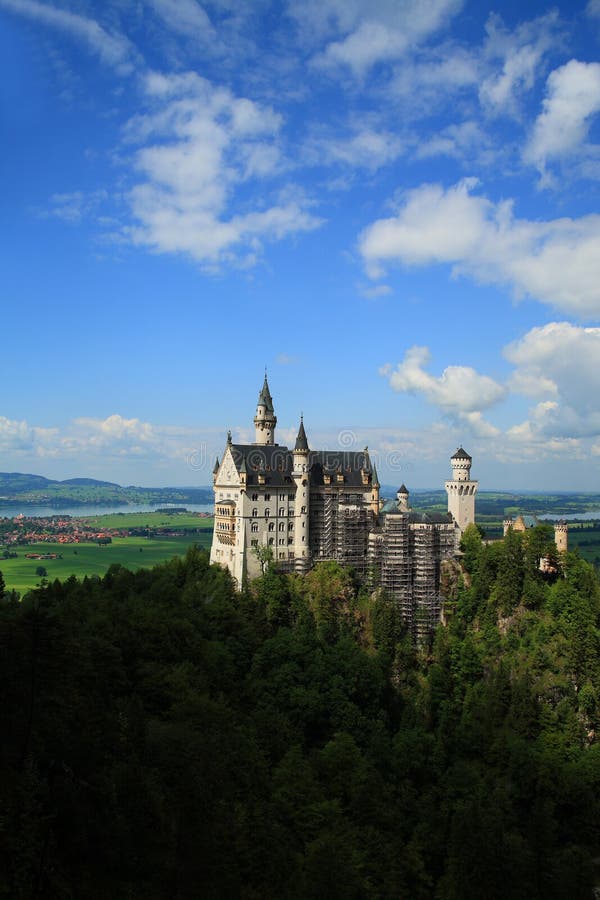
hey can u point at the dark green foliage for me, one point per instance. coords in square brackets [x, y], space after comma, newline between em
[166, 737]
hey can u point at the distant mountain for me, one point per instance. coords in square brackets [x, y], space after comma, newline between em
[89, 482]
[18, 487]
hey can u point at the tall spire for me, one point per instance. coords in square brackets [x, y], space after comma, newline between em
[265, 419]
[301, 440]
[264, 398]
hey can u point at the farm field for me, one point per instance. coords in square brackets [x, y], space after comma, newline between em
[90, 559]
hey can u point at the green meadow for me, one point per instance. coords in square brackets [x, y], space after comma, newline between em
[90, 559]
[149, 520]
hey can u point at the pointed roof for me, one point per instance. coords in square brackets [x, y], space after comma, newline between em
[264, 397]
[301, 440]
[375, 478]
[216, 467]
[402, 489]
[461, 454]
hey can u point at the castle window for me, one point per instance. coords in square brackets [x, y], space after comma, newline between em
[281, 542]
[303, 510]
[267, 497]
[291, 526]
[271, 526]
[254, 543]
[254, 497]
[267, 513]
[281, 511]
[271, 541]
[290, 541]
[254, 527]
[254, 512]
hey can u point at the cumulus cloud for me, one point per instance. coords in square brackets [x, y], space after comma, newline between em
[556, 262]
[113, 49]
[15, 435]
[200, 144]
[459, 392]
[561, 359]
[573, 98]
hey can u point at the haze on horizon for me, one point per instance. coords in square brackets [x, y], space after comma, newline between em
[394, 206]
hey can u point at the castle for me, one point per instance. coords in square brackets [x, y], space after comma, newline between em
[305, 506]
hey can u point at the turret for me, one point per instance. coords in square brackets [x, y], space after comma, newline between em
[265, 419]
[561, 536]
[461, 490]
[375, 492]
[301, 476]
[402, 498]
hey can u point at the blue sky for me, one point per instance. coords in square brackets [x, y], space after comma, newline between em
[392, 204]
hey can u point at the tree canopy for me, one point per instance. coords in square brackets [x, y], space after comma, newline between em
[169, 737]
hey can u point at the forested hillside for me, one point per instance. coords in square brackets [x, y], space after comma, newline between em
[165, 737]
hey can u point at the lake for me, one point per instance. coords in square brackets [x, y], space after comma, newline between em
[10, 512]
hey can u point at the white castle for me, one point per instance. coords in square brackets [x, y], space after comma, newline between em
[304, 506]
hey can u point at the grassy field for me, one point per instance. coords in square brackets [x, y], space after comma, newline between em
[149, 520]
[90, 559]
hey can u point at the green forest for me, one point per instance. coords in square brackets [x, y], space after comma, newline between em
[165, 736]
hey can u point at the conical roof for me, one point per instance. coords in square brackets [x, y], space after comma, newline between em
[301, 440]
[264, 397]
[461, 454]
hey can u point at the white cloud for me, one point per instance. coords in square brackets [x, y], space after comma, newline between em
[369, 33]
[15, 435]
[200, 144]
[562, 360]
[459, 392]
[464, 140]
[556, 262]
[573, 98]
[113, 49]
[367, 149]
[184, 16]
[521, 55]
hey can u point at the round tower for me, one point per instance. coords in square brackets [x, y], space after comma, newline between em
[461, 490]
[265, 419]
[561, 536]
[300, 474]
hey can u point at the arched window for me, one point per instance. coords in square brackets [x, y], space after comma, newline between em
[254, 526]
[282, 526]
[271, 526]
[254, 512]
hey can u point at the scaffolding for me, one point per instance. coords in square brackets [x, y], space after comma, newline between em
[396, 564]
[352, 534]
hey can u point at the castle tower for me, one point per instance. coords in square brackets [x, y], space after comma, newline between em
[301, 476]
[375, 486]
[461, 490]
[265, 419]
[561, 536]
[402, 498]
